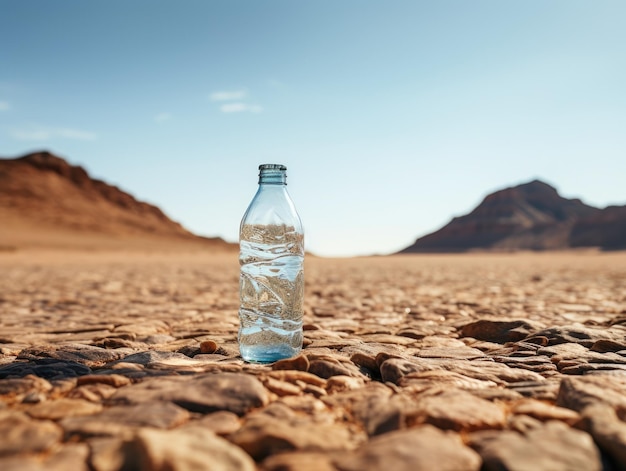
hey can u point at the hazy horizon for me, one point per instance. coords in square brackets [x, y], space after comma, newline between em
[391, 118]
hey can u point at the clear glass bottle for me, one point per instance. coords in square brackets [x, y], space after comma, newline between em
[271, 282]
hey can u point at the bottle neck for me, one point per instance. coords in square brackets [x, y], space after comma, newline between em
[272, 174]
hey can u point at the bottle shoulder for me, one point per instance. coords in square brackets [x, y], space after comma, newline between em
[272, 206]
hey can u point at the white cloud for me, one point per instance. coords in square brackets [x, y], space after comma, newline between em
[228, 95]
[159, 118]
[39, 133]
[240, 107]
[4, 106]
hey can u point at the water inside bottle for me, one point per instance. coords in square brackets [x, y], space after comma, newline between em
[272, 292]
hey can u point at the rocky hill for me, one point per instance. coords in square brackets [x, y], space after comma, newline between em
[531, 216]
[45, 201]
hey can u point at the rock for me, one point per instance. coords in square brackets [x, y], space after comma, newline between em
[498, 331]
[299, 363]
[106, 454]
[423, 380]
[330, 367]
[395, 368]
[553, 446]
[152, 357]
[95, 392]
[114, 380]
[75, 353]
[117, 419]
[607, 430]
[62, 408]
[234, 392]
[72, 456]
[603, 346]
[544, 412]
[372, 406]
[221, 423]
[585, 336]
[48, 368]
[457, 353]
[540, 390]
[208, 346]
[298, 377]
[457, 410]
[420, 448]
[343, 383]
[21, 386]
[491, 371]
[190, 449]
[302, 461]
[264, 435]
[22, 435]
[578, 393]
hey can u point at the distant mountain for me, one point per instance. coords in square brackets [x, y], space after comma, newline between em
[532, 216]
[46, 201]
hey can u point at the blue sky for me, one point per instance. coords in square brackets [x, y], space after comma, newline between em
[391, 117]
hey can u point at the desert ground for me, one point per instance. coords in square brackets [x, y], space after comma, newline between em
[117, 360]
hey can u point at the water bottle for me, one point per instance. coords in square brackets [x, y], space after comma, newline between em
[271, 281]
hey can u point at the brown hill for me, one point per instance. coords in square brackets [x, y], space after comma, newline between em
[532, 216]
[46, 202]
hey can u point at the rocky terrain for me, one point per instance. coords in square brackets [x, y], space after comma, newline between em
[532, 216]
[124, 361]
[46, 202]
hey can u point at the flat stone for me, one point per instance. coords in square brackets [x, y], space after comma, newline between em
[393, 369]
[62, 408]
[328, 368]
[300, 363]
[234, 392]
[457, 353]
[299, 461]
[221, 423]
[603, 346]
[544, 412]
[264, 435]
[491, 371]
[188, 449]
[499, 331]
[114, 380]
[88, 355]
[48, 368]
[155, 414]
[424, 380]
[72, 456]
[608, 431]
[26, 385]
[152, 357]
[585, 336]
[553, 446]
[421, 448]
[293, 376]
[578, 393]
[372, 406]
[457, 410]
[23, 435]
[106, 454]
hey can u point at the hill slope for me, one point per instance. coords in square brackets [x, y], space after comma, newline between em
[531, 216]
[46, 201]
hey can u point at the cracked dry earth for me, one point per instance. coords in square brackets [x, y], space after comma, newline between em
[494, 362]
